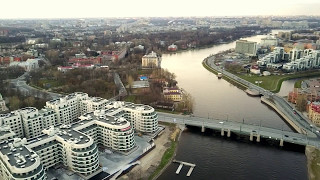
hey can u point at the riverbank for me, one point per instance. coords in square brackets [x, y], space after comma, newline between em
[230, 80]
[154, 163]
[313, 162]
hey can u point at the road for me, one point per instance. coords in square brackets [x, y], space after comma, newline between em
[242, 128]
[281, 103]
[21, 85]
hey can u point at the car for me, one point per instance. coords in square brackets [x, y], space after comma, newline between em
[317, 131]
[286, 135]
[221, 122]
[294, 112]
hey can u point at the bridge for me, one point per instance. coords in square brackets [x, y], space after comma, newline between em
[254, 132]
[279, 104]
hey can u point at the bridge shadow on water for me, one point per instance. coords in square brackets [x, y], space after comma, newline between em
[235, 137]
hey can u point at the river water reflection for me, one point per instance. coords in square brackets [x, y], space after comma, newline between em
[217, 158]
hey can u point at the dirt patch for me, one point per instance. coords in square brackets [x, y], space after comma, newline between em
[150, 161]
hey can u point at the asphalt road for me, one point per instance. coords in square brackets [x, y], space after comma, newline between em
[281, 103]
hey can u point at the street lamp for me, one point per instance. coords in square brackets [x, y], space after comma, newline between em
[258, 82]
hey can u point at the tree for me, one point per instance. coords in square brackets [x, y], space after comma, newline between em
[301, 102]
[14, 103]
[130, 80]
[30, 101]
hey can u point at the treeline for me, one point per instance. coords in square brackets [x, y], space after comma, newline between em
[95, 82]
[200, 37]
[4, 39]
[18, 100]
[11, 72]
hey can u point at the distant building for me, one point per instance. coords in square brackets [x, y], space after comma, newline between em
[85, 60]
[140, 87]
[314, 112]
[151, 60]
[269, 41]
[29, 65]
[172, 94]
[246, 47]
[8, 59]
[3, 106]
[113, 55]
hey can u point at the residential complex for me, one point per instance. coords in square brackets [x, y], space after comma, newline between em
[67, 132]
[310, 59]
[151, 60]
[298, 59]
[246, 47]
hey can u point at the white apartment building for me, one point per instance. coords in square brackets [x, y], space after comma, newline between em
[311, 60]
[109, 131]
[19, 162]
[32, 121]
[151, 60]
[295, 54]
[246, 47]
[92, 104]
[14, 120]
[275, 56]
[29, 122]
[68, 108]
[142, 117]
[74, 146]
[5, 132]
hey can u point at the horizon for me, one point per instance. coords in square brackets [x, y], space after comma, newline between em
[71, 9]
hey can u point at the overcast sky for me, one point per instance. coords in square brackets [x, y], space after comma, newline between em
[154, 8]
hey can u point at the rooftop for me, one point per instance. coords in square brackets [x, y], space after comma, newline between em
[18, 155]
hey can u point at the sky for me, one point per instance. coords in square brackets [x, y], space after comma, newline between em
[154, 8]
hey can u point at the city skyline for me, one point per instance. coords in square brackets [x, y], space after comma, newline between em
[102, 9]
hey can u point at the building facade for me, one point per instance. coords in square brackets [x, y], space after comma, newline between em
[151, 60]
[74, 146]
[3, 106]
[246, 47]
[172, 94]
[314, 112]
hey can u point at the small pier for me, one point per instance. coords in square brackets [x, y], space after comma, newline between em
[192, 166]
[252, 92]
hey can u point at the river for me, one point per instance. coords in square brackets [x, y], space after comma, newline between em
[216, 157]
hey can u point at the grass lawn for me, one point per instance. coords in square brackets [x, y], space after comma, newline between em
[268, 82]
[273, 82]
[165, 159]
[50, 83]
[130, 98]
[297, 84]
[315, 164]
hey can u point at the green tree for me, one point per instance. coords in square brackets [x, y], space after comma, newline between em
[301, 102]
[14, 103]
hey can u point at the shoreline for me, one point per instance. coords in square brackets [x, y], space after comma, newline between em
[151, 166]
[312, 154]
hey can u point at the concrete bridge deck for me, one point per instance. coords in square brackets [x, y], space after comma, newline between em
[253, 131]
